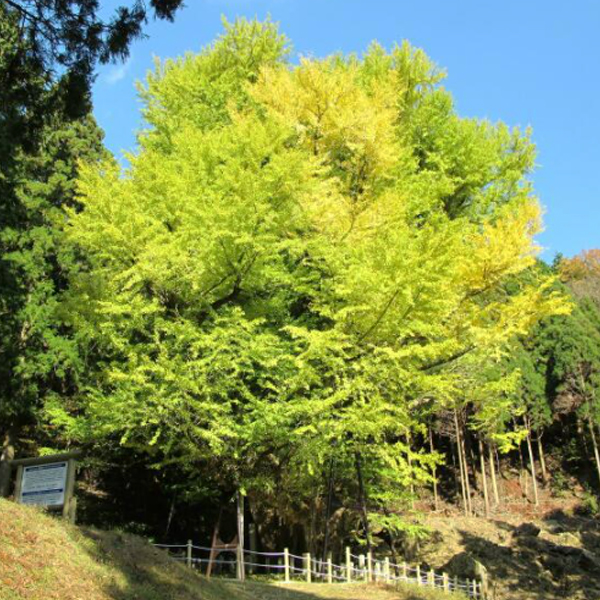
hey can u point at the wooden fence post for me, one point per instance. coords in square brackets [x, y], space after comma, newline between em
[348, 565]
[446, 582]
[404, 571]
[329, 570]
[431, 578]
[308, 567]
[189, 554]
[286, 565]
[386, 569]
[377, 571]
[369, 566]
[419, 575]
[68, 508]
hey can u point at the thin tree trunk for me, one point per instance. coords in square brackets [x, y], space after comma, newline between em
[467, 439]
[7, 454]
[484, 479]
[594, 444]
[522, 470]
[362, 499]
[435, 489]
[466, 467]
[312, 532]
[493, 474]
[171, 514]
[392, 544]
[545, 477]
[460, 461]
[532, 463]
[241, 571]
[454, 472]
[328, 509]
[499, 472]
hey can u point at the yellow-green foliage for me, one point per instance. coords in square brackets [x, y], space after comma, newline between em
[297, 260]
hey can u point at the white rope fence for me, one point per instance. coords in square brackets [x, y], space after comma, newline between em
[357, 568]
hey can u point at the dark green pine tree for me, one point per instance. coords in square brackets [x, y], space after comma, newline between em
[566, 350]
[40, 150]
[72, 36]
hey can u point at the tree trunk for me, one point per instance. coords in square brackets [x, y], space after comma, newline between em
[594, 444]
[241, 571]
[435, 489]
[522, 470]
[484, 479]
[328, 510]
[470, 452]
[362, 499]
[171, 514]
[545, 477]
[8, 454]
[460, 461]
[499, 472]
[532, 463]
[493, 474]
[466, 467]
[454, 471]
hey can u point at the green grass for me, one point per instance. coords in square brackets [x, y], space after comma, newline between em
[44, 558]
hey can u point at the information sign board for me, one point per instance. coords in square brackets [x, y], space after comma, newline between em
[44, 484]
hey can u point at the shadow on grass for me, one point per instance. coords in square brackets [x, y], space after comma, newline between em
[134, 570]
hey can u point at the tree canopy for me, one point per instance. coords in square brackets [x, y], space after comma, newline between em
[301, 263]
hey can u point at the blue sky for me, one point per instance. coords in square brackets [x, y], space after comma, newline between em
[525, 62]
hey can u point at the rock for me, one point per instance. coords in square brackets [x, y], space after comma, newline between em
[589, 561]
[484, 550]
[465, 565]
[461, 565]
[554, 527]
[536, 544]
[565, 550]
[555, 565]
[569, 539]
[527, 529]
[591, 541]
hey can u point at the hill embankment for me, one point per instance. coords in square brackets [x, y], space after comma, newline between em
[551, 556]
[45, 558]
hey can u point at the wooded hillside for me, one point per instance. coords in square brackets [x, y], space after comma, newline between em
[314, 284]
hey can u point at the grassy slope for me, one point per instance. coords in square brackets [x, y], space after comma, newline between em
[44, 558]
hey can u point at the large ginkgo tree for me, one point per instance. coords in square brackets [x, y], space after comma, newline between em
[298, 265]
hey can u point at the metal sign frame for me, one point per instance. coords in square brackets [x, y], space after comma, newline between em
[69, 505]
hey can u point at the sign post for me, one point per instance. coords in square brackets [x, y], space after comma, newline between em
[47, 481]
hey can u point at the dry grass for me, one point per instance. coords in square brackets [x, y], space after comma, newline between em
[44, 558]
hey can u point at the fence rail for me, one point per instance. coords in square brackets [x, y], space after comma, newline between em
[357, 568]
